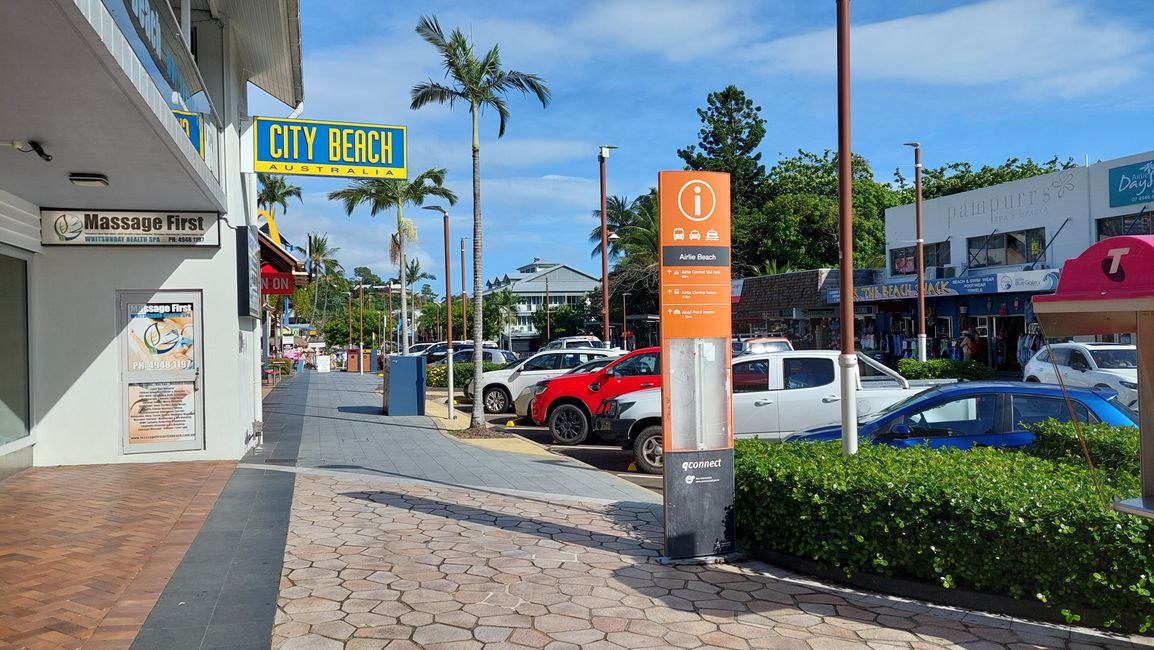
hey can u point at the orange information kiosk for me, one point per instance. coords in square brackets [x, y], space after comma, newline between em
[696, 326]
[1109, 289]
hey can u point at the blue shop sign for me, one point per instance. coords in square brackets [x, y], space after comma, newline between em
[314, 148]
[1130, 184]
[967, 286]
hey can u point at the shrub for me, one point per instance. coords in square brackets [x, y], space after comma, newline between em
[438, 376]
[943, 369]
[1114, 450]
[284, 366]
[984, 519]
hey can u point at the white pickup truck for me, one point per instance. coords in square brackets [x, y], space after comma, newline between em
[774, 395]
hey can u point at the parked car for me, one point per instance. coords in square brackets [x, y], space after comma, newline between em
[419, 348]
[774, 394]
[1102, 365]
[522, 404]
[572, 342]
[436, 351]
[979, 414]
[497, 387]
[488, 355]
[567, 403]
[765, 344]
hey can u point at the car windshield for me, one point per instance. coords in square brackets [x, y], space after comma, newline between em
[1123, 359]
[768, 346]
[590, 366]
[896, 406]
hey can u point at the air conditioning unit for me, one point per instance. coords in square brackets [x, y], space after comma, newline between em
[948, 272]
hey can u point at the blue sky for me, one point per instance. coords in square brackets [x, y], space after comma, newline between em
[972, 81]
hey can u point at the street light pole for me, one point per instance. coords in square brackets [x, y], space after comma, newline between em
[350, 328]
[548, 324]
[603, 153]
[921, 251]
[464, 294]
[848, 359]
[448, 311]
[361, 347]
[624, 323]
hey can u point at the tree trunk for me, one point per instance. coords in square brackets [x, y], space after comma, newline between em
[478, 419]
[404, 302]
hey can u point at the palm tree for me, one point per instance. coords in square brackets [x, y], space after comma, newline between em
[322, 264]
[480, 83]
[274, 191]
[396, 193]
[619, 213]
[414, 274]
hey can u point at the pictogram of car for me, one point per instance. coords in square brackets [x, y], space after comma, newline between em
[694, 235]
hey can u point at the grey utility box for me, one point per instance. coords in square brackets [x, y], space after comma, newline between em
[404, 385]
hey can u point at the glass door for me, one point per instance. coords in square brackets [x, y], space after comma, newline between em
[161, 380]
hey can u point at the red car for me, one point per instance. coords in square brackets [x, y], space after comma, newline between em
[567, 403]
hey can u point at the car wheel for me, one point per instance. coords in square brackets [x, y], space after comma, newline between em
[568, 425]
[496, 400]
[647, 450]
[1032, 379]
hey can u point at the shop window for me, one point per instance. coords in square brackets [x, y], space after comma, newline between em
[904, 261]
[1018, 247]
[14, 368]
[1131, 224]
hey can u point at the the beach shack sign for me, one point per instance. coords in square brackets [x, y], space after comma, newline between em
[314, 148]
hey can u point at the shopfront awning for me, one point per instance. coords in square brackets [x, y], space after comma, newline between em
[971, 285]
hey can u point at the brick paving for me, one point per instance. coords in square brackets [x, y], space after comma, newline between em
[86, 551]
[372, 563]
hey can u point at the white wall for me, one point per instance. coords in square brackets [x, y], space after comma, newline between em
[1042, 201]
[78, 412]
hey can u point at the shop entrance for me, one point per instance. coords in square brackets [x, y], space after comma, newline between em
[1004, 342]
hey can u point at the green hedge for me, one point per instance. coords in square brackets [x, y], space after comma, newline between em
[1114, 450]
[438, 376]
[985, 519]
[943, 369]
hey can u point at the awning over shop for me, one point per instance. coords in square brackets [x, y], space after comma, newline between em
[1007, 282]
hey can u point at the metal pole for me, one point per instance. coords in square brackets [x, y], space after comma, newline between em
[464, 294]
[848, 359]
[624, 324]
[548, 323]
[921, 251]
[389, 288]
[350, 327]
[603, 154]
[361, 345]
[449, 318]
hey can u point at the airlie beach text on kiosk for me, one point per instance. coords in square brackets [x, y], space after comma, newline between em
[697, 412]
[343, 149]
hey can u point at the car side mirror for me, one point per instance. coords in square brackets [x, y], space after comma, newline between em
[900, 431]
[610, 372]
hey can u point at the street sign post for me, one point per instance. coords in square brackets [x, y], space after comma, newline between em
[696, 378]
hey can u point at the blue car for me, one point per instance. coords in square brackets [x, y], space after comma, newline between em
[978, 414]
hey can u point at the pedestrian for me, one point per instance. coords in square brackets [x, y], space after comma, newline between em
[967, 345]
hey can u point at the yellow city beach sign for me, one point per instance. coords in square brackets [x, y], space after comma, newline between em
[316, 148]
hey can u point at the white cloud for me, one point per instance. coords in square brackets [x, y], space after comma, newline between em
[1044, 48]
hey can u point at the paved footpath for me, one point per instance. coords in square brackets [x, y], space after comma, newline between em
[347, 529]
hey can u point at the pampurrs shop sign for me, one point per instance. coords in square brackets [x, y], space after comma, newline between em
[90, 228]
[1130, 184]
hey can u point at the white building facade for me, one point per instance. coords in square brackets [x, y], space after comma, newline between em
[531, 285]
[128, 251]
[987, 251]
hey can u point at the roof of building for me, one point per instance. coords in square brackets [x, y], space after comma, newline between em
[562, 278]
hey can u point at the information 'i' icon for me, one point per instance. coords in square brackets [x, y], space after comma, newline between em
[697, 200]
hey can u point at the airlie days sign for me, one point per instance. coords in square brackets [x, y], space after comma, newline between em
[312, 148]
[91, 228]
